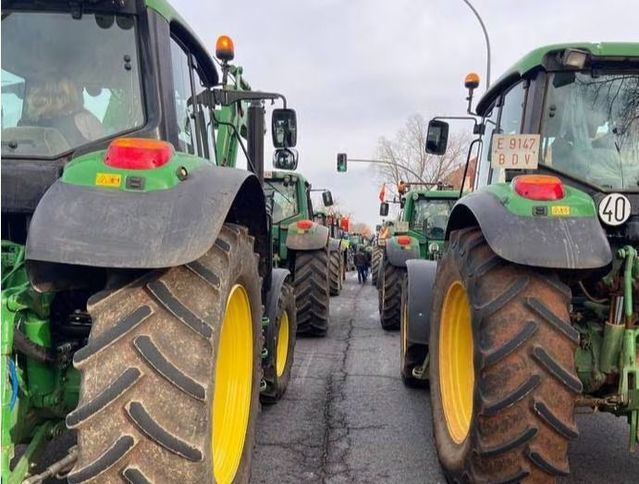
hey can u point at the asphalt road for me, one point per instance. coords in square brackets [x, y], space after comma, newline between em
[347, 417]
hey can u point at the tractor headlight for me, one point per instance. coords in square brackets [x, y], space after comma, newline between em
[433, 248]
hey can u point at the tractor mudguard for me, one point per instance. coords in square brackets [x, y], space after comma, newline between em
[278, 277]
[334, 244]
[101, 227]
[556, 242]
[398, 254]
[313, 238]
[421, 280]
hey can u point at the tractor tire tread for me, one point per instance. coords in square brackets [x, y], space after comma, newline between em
[526, 384]
[312, 293]
[166, 326]
[391, 278]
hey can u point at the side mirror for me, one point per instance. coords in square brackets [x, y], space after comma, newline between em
[327, 198]
[383, 209]
[437, 137]
[285, 159]
[342, 160]
[284, 128]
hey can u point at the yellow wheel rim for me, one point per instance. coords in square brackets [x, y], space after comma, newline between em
[282, 345]
[456, 368]
[233, 386]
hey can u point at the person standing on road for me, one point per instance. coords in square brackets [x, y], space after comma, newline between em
[360, 261]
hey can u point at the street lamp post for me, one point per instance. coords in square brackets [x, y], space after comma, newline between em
[483, 27]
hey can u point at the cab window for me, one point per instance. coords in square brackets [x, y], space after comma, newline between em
[182, 92]
[510, 119]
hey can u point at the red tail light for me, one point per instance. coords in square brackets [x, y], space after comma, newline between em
[138, 153]
[304, 224]
[539, 187]
[403, 240]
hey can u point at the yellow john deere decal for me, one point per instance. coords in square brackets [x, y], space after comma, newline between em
[560, 210]
[108, 180]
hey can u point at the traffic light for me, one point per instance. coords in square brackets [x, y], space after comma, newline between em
[341, 162]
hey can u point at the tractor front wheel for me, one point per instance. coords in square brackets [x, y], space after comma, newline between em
[502, 370]
[171, 373]
[280, 343]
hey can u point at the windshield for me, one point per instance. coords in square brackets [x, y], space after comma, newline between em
[67, 82]
[431, 216]
[590, 128]
[284, 199]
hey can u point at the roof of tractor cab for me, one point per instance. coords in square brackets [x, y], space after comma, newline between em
[166, 10]
[536, 59]
[278, 175]
[434, 194]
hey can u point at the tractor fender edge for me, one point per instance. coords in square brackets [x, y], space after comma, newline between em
[549, 242]
[313, 239]
[421, 280]
[98, 227]
[397, 254]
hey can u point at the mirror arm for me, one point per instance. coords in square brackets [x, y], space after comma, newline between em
[226, 97]
[477, 125]
[470, 150]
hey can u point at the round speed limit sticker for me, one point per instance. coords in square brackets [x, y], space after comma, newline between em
[614, 209]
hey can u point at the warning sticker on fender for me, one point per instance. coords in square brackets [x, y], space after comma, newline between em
[515, 151]
[112, 180]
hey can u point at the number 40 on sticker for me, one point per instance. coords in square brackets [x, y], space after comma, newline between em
[614, 209]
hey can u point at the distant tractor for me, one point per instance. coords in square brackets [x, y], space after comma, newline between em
[532, 310]
[301, 246]
[337, 249]
[139, 304]
[417, 234]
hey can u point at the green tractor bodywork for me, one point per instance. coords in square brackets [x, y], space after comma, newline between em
[90, 222]
[575, 230]
[292, 203]
[302, 246]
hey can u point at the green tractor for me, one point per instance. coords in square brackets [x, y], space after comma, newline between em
[337, 249]
[417, 234]
[532, 310]
[301, 246]
[136, 260]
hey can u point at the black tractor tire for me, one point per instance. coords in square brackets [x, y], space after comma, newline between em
[335, 272]
[312, 296]
[411, 354]
[149, 370]
[376, 263]
[390, 295]
[276, 384]
[524, 386]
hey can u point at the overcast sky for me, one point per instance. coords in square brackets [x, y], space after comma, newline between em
[356, 69]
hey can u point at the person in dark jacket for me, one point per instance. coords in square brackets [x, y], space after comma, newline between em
[361, 263]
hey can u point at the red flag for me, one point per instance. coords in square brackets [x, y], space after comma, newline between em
[382, 192]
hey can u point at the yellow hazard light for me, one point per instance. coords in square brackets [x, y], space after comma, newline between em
[224, 49]
[471, 81]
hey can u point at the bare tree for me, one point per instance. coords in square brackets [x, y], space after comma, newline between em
[407, 157]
